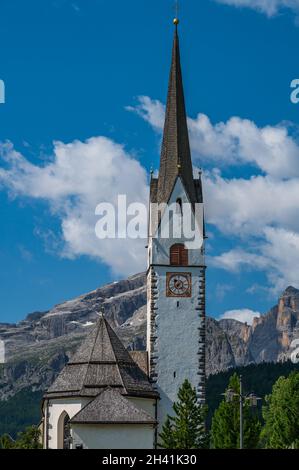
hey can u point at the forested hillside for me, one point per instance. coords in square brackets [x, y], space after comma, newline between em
[24, 408]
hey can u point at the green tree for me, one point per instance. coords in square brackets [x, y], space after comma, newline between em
[225, 430]
[6, 442]
[29, 439]
[281, 414]
[186, 429]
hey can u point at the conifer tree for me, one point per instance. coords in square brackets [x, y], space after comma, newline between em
[6, 442]
[167, 435]
[225, 431]
[281, 414]
[29, 439]
[186, 429]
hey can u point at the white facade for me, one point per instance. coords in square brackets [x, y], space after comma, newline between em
[99, 436]
[146, 404]
[113, 436]
[55, 411]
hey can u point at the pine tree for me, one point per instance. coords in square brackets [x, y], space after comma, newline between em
[186, 429]
[29, 439]
[281, 414]
[6, 442]
[167, 435]
[225, 431]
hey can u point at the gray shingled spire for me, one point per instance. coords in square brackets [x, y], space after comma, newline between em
[175, 155]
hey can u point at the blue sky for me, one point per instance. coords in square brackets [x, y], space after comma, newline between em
[71, 70]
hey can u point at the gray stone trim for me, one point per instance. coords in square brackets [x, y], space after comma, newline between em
[201, 307]
[153, 357]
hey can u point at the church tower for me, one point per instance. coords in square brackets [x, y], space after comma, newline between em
[176, 268]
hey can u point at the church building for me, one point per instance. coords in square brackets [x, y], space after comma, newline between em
[107, 397]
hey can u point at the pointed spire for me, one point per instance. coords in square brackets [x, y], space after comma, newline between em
[175, 154]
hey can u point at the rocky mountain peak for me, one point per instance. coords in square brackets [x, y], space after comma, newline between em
[38, 347]
[289, 299]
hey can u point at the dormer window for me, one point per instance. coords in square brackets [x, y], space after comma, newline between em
[178, 255]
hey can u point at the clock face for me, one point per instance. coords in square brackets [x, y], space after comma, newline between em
[178, 285]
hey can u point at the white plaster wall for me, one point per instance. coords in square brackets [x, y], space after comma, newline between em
[56, 407]
[44, 422]
[177, 341]
[145, 404]
[115, 436]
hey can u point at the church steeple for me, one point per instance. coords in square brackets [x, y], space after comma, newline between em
[175, 154]
[176, 269]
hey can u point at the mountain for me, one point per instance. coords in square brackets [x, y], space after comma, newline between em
[38, 347]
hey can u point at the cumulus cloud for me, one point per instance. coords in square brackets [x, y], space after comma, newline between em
[241, 206]
[152, 111]
[269, 7]
[79, 176]
[276, 254]
[259, 213]
[243, 315]
[235, 142]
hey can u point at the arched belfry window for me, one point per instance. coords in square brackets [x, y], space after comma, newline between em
[178, 255]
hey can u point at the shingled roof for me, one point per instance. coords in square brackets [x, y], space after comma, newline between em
[110, 407]
[175, 154]
[102, 361]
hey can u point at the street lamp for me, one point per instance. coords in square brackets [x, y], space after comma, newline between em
[251, 398]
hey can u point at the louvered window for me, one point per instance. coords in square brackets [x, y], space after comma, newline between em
[178, 255]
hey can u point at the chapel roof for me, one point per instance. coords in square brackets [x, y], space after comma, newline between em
[101, 361]
[110, 407]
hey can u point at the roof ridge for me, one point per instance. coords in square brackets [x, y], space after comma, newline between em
[85, 375]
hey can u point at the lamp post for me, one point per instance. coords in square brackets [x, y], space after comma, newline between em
[251, 398]
[241, 413]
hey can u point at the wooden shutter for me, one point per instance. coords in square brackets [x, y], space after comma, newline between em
[178, 255]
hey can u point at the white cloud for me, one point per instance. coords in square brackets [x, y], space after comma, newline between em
[243, 315]
[152, 111]
[79, 177]
[277, 254]
[222, 290]
[260, 213]
[243, 207]
[269, 7]
[236, 259]
[235, 142]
